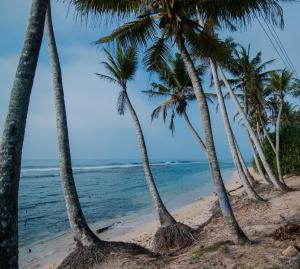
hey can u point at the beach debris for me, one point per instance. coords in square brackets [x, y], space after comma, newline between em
[236, 189]
[290, 251]
[29, 250]
[287, 231]
[101, 230]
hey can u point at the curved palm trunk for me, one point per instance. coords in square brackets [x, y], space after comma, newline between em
[195, 133]
[278, 185]
[268, 137]
[277, 153]
[257, 163]
[231, 141]
[82, 233]
[258, 133]
[13, 135]
[164, 216]
[243, 163]
[225, 206]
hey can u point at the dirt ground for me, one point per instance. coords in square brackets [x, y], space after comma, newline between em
[271, 226]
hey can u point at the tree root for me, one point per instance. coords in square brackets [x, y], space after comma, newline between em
[172, 238]
[86, 257]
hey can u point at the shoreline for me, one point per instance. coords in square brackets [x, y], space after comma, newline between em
[194, 214]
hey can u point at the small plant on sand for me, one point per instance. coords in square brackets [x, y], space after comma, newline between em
[220, 245]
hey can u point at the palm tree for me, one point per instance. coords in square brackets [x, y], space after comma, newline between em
[178, 89]
[82, 233]
[13, 135]
[250, 77]
[160, 21]
[230, 136]
[175, 86]
[122, 67]
[281, 84]
[243, 171]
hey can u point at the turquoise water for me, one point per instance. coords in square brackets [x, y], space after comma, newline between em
[108, 191]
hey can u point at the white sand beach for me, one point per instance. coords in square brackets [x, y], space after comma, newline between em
[48, 254]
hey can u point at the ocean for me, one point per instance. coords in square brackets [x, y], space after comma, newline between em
[110, 192]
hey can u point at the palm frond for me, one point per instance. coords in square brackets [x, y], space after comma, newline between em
[108, 78]
[134, 33]
[157, 55]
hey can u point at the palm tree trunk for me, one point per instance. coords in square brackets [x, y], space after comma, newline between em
[13, 135]
[278, 121]
[258, 133]
[278, 184]
[82, 233]
[268, 137]
[165, 218]
[243, 163]
[195, 133]
[225, 206]
[231, 141]
[257, 162]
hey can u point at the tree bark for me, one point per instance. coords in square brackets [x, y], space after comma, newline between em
[195, 133]
[165, 218]
[268, 137]
[13, 135]
[82, 233]
[278, 122]
[225, 206]
[257, 163]
[245, 168]
[230, 137]
[278, 184]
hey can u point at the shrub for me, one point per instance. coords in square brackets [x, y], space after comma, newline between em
[289, 149]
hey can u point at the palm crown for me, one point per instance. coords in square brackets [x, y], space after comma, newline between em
[121, 68]
[175, 85]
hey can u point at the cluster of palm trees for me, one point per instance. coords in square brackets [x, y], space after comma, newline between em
[157, 27]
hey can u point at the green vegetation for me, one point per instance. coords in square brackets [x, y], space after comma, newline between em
[221, 245]
[289, 149]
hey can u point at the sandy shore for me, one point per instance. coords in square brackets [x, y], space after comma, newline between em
[194, 215]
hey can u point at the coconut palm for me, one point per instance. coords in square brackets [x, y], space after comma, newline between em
[158, 22]
[250, 76]
[281, 84]
[121, 68]
[230, 136]
[175, 86]
[246, 177]
[13, 135]
[82, 233]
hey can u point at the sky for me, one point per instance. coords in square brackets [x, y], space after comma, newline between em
[96, 130]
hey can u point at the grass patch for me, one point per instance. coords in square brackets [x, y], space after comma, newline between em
[214, 247]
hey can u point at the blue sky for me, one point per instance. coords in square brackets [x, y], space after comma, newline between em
[96, 131]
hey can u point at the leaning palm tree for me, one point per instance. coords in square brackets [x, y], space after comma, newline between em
[281, 84]
[86, 240]
[246, 177]
[82, 233]
[13, 135]
[231, 139]
[171, 20]
[251, 83]
[160, 21]
[122, 67]
[175, 86]
[249, 77]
